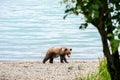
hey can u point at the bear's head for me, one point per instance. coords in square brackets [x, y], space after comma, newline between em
[67, 51]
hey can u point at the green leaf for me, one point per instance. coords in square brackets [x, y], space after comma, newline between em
[73, 1]
[96, 14]
[96, 6]
[119, 36]
[115, 45]
[83, 26]
[69, 10]
[109, 35]
[65, 16]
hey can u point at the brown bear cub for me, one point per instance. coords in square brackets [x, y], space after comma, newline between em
[55, 52]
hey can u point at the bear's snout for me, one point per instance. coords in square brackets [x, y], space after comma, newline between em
[68, 55]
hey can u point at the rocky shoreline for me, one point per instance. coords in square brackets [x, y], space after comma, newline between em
[40, 71]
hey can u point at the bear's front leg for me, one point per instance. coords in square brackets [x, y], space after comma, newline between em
[65, 60]
[51, 60]
[45, 59]
[61, 59]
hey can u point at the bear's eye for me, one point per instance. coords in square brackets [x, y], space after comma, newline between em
[70, 49]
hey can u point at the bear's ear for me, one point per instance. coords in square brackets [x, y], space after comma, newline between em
[66, 49]
[70, 49]
[63, 49]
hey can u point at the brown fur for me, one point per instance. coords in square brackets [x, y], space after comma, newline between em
[55, 52]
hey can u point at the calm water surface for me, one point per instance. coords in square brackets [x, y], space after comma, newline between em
[29, 27]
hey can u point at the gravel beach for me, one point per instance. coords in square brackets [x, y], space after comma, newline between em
[40, 71]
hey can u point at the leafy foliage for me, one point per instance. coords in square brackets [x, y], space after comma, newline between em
[93, 10]
[101, 74]
[103, 70]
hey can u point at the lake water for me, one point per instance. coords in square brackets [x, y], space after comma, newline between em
[29, 27]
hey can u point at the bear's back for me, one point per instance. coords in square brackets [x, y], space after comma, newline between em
[54, 50]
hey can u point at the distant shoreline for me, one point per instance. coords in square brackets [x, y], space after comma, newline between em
[55, 60]
[40, 71]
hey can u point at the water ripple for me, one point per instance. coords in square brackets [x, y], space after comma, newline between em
[29, 27]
